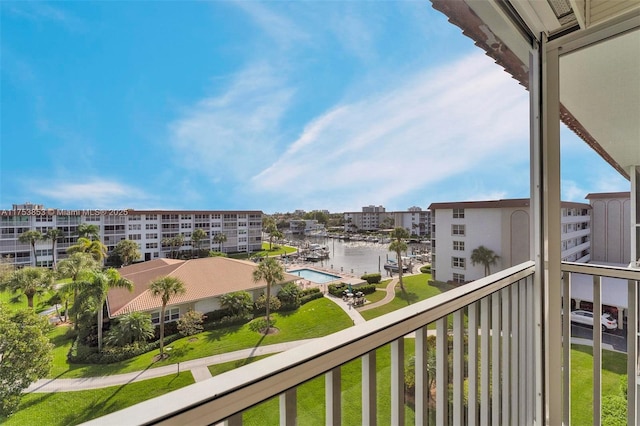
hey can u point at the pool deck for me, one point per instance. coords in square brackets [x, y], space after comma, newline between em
[344, 277]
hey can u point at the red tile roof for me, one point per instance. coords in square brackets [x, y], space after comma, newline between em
[203, 278]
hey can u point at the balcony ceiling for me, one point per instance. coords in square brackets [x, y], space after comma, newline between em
[599, 84]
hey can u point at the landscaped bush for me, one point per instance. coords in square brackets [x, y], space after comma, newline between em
[169, 329]
[311, 296]
[366, 289]
[191, 323]
[426, 269]
[289, 296]
[261, 303]
[227, 321]
[215, 316]
[337, 289]
[372, 278]
[82, 354]
[308, 291]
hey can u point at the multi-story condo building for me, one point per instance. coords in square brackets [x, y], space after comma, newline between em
[147, 228]
[502, 226]
[375, 218]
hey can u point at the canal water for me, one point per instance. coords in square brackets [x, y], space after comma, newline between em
[354, 257]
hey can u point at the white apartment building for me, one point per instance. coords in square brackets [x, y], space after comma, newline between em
[146, 227]
[502, 226]
[375, 218]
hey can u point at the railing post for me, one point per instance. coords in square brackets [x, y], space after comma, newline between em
[422, 391]
[369, 389]
[506, 347]
[458, 368]
[288, 408]
[495, 359]
[397, 381]
[472, 414]
[442, 372]
[566, 350]
[633, 399]
[597, 350]
[333, 397]
[485, 365]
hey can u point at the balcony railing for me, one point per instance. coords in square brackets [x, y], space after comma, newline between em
[628, 281]
[495, 315]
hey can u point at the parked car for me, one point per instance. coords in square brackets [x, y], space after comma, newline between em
[607, 322]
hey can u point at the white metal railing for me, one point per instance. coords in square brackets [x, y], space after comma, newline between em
[497, 361]
[632, 277]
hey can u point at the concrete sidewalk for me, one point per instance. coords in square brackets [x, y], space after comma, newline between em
[196, 366]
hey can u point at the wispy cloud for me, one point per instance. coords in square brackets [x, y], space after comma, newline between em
[284, 31]
[42, 12]
[95, 193]
[428, 128]
[234, 133]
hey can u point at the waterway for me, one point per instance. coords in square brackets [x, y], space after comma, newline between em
[355, 257]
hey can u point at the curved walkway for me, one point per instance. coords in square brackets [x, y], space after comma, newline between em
[391, 293]
[198, 368]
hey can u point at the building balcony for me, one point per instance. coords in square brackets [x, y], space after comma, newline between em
[487, 350]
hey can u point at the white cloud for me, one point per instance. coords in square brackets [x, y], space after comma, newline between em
[282, 30]
[95, 193]
[230, 135]
[418, 131]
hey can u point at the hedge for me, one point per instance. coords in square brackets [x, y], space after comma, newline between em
[426, 269]
[337, 289]
[82, 354]
[372, 278]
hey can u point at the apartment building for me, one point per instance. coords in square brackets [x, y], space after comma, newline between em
[502, 226]
[146, 227]
[611, 225]
[374, 218]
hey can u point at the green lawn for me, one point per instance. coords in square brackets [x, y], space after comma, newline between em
[376, 296]
[417, 289]
[71, 408]
[228, 366]
[277, 250]
[614, 370]
[17, 301]
[314, 319]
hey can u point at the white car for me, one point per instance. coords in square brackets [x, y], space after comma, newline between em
[607, 322]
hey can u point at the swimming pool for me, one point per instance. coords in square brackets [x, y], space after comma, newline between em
[314, 276]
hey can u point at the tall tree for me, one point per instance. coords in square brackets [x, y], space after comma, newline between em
[30, 281]
[94, 247]
[486, 257]
[25, 355]
[77, 266]
[166, 288]
[398, 245]
[197, 237]
[126, 251]
[220, 238]
[97, 287]
[174, 244]
[238, 302]
[272, 272]
[271, 229]
[31, 237]
[53, 235]
[89, 231]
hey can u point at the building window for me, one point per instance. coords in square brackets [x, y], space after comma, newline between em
[151, 226]
[457, 230]
[458, 262]
[458, 278]
[458, 245]
[170, 314]
[151, 245]
[135, 237]
[151, 217]
[458, 213]
[134, 227]
[152, 236]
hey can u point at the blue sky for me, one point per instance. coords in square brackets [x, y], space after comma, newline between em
[273, 106]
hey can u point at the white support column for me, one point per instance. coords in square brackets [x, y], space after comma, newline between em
[472, 416]
[458, 368]
[597, 350]
[566, 350]
[633, 396]
[485, 364]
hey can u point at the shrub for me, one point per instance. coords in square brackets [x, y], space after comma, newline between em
[169, 329]
[311, 296]
[337, 289]
[426, 269]
[261, 303]
[82, 354]
[366, 289]
[308, 291]
[215, 316]
[260, 324]
[191, 323]
[372, 278]
[289, 296]
[614, 410]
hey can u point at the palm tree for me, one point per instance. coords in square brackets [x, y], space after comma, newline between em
[90, 231]
[196, 239]
[53, 235]
[77, 266]
[130, 328]
[271, 228]
[166, 288]
[486, 257]
[29, 281]
[97, 287]
[127, 251]
[398, 235]
[238, 302]
[272, 272]
[32, 237]
[94, 247]
[220, 238]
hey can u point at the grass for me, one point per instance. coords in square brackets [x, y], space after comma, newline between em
[376, 296]
[416, 288]
[17, 301]
[311, 403]
[614, 368]
[276, 250]
[70, 408]
[317, 318]
[231, 365]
